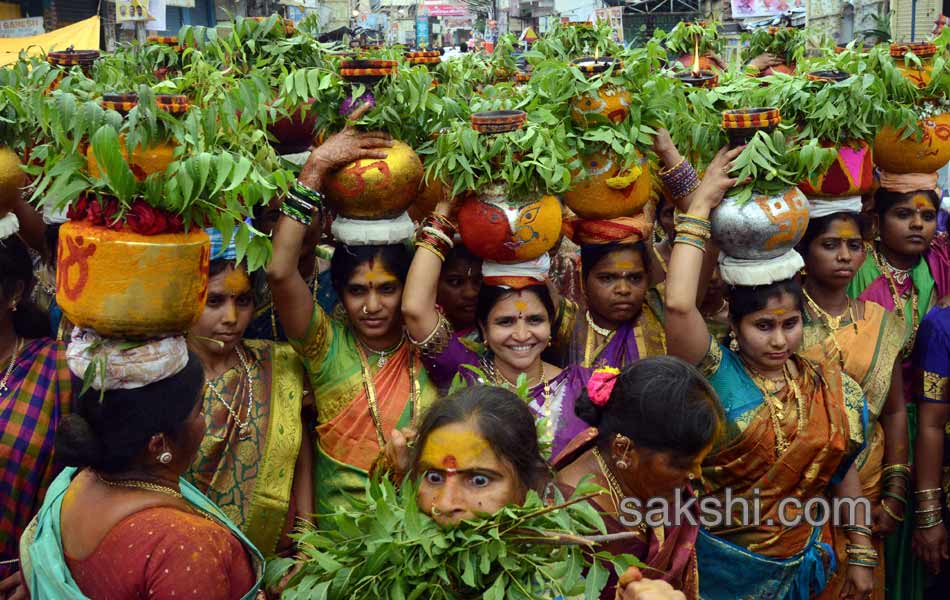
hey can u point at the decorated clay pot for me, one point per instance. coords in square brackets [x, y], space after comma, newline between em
[294, 133]
[127, 285]
[764, 227]
[12, 180]
[706, 62]
[68, 58]
[925, 51]
[498, 121]
[156, 158]
[742, 124]
[929, 155]
[703, 79]
[376, 188]
[430, 194]
[609, 104]
[607, 192]
[851, 174]
[496, 227]
[828, 76]
[366, 72]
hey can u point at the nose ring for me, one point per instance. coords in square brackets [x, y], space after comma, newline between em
[365, 310]
[435, 512]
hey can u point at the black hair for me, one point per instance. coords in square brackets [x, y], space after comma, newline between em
[592, 254]
[503, 419]
[347, 259]
[885, 199]
[747, 299]
[459, 254]
[109, 431]
[489, 295]
[16, 267]
[661, 403]
[819, 226]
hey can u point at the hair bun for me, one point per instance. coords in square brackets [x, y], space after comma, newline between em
[587, 410]
[77, 445]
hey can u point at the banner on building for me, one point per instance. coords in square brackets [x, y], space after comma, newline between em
[182, 3]
[82, 35]
[763, 8]
[154, 11]
[613, 16]
[11, 28]
[422, 31]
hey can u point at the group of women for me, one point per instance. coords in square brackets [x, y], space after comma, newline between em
[796, 389]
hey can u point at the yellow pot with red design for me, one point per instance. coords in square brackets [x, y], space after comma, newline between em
[609, 104]
[910, 155]
[12, 180]
[499, 228]
[123, 284]
[851, 174]
[376, 188]
[608, 191]
[925, 53]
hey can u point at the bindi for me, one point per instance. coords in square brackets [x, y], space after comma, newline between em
[236, 282]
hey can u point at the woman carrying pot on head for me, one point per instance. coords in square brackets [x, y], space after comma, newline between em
[255, 461]
[36, 391]
[459, 283]
[365, 379]
[652, 425]
[477, 451]
[866, 341]
[792, 427]
[515, 317]
[132, 436]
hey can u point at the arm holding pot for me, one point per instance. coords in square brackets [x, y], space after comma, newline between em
[419, 311]
[292, 296]
[683, 318]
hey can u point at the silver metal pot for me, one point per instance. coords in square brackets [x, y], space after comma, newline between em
[764, 227]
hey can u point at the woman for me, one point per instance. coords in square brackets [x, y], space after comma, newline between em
[153, 535]
[255, 460]
[36, 390]
[366, 380]
[477, 451]
[459, 282]
[642, 447]
[792, 427]
[906, 271]
[515, 324]
[866, 341]
[932, 468]
[662, 242]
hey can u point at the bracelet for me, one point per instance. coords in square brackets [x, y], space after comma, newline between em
[862, 563]
[890, 512]
[441, 224]
[898, 497]
[692, 229]
[431, 249]
[302, 192]
[898, 468]
[294, 212]
[679, 217]
[440, 235]
[681, 181]
[690, 240]
[858, 529]
[438, 244]
[928, 522]
[931, 494]
[436, 341]
[673, 168]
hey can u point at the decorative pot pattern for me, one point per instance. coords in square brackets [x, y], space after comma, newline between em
[497, 228]
[127, 285]
[742, 124]
[12, 180]
[376, 188]
[929, 155]
[608, 193]
[294, 133]
[851, 174]
[144, 161]
[925, 51]
[610, 104]
[764, 227]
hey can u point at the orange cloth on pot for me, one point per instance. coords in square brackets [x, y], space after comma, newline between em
[624, 230]
[905, 183]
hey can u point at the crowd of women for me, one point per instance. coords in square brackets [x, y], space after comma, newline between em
[657, 380]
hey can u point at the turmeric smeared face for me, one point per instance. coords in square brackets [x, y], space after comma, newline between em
[908, 227]
[616, 287]
[228, 311]
[462, 477]
[835, 255]
[372, 299]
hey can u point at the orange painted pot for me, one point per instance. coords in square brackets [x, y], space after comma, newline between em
[929, 155]
[611, 104]
[144, 161]
[376, 188]
[851, 174]
[780, 68]
[122, 284]
[706, 62]
[925, 51]
[498, 228]
[607, 192]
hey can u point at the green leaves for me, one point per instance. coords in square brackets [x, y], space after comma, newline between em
[771, 164]
[112, 166]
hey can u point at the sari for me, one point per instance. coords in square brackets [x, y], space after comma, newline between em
[929, 281]
[251, 479]
[669, 554]
[44, 567]
[768, 559]
[358, 403]
[40, 393]
[631, 341]
[551, 401]
[869, 347]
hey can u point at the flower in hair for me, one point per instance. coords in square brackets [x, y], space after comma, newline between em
[601, 385]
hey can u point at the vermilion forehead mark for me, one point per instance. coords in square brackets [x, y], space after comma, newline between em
[779, 311]
[450, 462]
[922, 202]
[521, 305]
[846, 231]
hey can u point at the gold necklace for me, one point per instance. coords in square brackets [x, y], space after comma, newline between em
[500, 380]
[138, 484]
[244, 427]
[369, 386]
[590, 342]
[17, 347]
[613, 485]
[833, 324]
[382, 355]
[893, 277]
[776, 407]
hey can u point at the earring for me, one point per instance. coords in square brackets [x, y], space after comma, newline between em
[13, 307]
[733, 341]
[622, 464]
[165, 457]
[803, 272]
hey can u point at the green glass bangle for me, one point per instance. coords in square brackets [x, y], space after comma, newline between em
[294, 213]
[898, 497]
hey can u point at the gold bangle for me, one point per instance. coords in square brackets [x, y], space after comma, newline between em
[890, 512]
[431, 248]
[693, 229]
[673, 168]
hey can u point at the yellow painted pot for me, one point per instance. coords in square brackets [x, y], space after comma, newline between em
[376, 188]
[925, 53]
[607, 192]
[144, 162]
[12, 180]
[610, 105]
[122, 284]
[929, 155]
